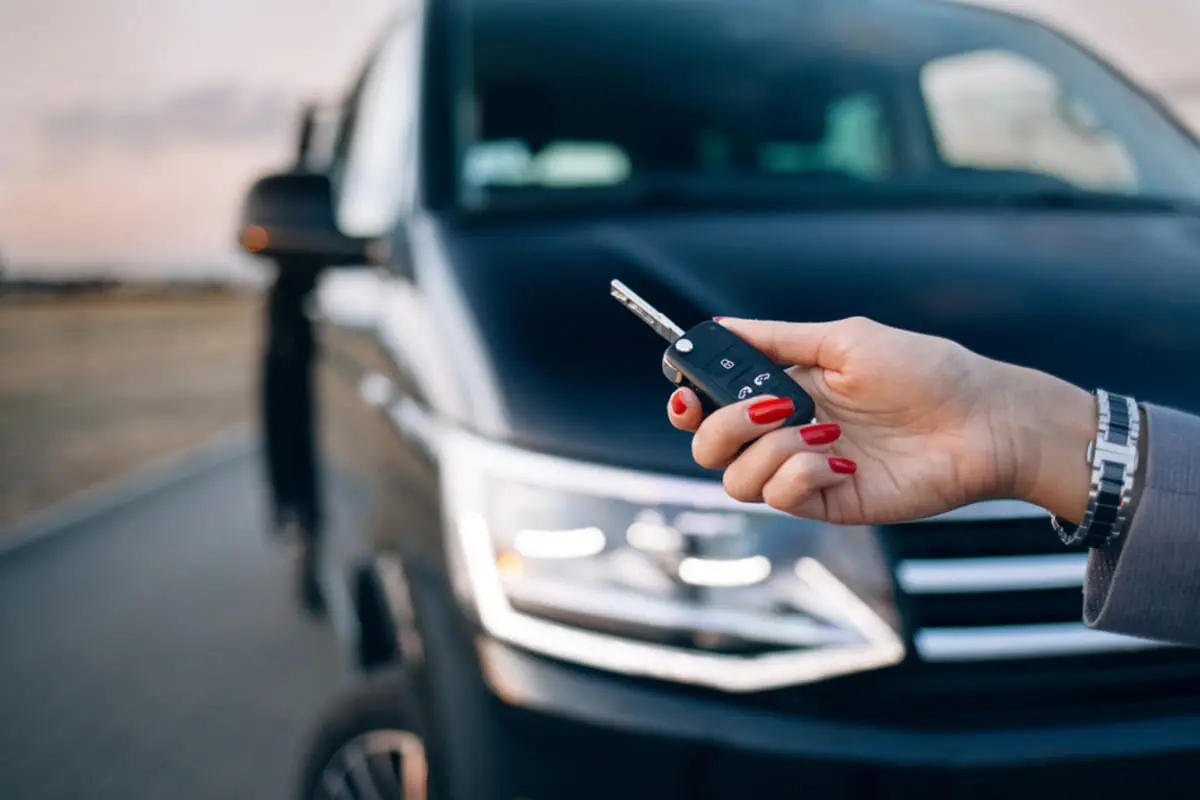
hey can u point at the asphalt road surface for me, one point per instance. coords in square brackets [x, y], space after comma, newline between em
[153, 651]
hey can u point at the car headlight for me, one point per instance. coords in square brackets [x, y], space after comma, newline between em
[660, 576]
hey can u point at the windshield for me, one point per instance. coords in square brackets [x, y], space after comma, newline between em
[605, 100]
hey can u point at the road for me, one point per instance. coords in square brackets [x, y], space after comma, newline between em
[152, 651]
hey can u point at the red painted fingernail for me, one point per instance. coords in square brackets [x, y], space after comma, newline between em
[774, 409]
[678, 404]
[843, 466]
[820, 434]
[718, 319]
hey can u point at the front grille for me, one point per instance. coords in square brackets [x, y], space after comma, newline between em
[994, 607]
[994, 611]
[977, 609]
[954, 551]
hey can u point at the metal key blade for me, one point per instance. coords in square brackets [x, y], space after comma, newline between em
[647, 313]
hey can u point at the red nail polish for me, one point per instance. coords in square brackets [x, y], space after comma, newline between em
[771, 410]
[820, 434]
[678, 404]
[843, 466]
[718, 319]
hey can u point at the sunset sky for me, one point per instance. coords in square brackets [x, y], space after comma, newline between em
[129, 129]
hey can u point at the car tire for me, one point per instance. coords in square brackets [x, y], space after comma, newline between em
[370, 744]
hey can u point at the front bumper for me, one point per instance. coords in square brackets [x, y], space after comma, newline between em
[589, 735]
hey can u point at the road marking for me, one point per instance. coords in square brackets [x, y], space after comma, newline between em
[223, 448]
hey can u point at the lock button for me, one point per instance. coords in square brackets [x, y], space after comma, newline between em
[730, 363]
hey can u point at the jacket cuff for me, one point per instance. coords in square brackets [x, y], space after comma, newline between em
[1149, 585]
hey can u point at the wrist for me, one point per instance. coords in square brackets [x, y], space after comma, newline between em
[1054, 422]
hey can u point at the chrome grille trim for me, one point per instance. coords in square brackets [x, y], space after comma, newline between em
[992, 574]
[1021, 641]
[1050, 570]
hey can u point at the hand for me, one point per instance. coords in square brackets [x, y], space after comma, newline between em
[909, 426]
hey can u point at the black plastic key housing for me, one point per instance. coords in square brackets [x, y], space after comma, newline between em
[723, 369]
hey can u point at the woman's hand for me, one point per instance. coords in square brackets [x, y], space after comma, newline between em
[908, 426]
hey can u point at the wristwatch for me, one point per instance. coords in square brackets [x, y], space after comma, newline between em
[1113, 456]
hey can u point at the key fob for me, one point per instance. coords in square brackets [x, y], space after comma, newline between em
[722, 368]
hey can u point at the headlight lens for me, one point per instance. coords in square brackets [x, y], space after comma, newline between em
[660, 576]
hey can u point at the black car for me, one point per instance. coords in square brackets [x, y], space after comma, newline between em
[553, 599]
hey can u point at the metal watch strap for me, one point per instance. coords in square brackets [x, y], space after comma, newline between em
[1114, 460]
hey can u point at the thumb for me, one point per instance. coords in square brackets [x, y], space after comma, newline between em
[809, 344]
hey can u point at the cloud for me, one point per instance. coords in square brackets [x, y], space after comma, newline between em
[205, 115]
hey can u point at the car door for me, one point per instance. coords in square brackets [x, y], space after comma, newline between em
[377, 481]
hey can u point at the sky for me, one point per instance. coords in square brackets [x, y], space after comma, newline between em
[129, 129]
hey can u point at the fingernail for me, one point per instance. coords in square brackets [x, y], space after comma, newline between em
[820, 434]
[843, 466]
[771, 410]
[718, 319]
[678, 404]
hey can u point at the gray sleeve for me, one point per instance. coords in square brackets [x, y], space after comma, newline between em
[1150, 586]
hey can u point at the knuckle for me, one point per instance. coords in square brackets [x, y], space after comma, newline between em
[783, 443]
[737, 487]
[788, 489]
[858, 325]
[779, 496]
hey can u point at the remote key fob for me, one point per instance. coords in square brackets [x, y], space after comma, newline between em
[718, 364]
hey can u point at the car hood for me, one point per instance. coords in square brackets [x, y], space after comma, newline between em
[1110, 300]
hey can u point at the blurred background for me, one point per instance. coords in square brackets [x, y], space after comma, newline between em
[130, 325]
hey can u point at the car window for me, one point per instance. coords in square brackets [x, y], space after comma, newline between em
[994, 109]
[797, 100]
[855, 141]
[511, 162]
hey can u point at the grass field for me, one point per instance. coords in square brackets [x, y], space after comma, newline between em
[92, 387]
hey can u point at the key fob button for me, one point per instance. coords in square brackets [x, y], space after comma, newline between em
[757, 377]
[730, 363]
[725, 362]
[753, 384]
[744, 390]
[763, 380]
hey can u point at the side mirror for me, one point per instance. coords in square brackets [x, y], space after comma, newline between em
[290, 215]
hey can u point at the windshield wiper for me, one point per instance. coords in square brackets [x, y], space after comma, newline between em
[1084, 200]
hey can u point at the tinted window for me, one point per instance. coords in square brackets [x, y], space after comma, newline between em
[731, 96]
[995, 109]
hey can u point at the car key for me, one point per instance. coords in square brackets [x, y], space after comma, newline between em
[720, 366]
